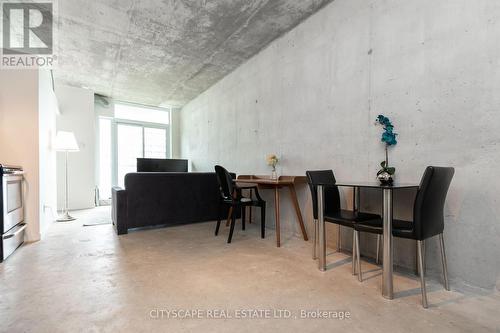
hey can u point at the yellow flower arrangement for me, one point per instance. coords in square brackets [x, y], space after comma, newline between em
[272, 160]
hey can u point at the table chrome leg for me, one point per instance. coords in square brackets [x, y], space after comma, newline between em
[387, 286]
[356, 199]
[377, 261]
[339, 238]
[315, 240]
[354, 255]
[321, 233]
[358, 257]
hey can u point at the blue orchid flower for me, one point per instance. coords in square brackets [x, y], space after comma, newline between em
[388, 137]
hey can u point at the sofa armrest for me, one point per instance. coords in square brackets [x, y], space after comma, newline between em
[119, 210]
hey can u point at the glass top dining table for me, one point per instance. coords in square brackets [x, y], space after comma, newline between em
[388, 191]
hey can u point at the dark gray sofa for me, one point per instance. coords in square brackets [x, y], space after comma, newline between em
[165, 198]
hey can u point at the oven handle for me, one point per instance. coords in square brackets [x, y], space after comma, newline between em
[21, 228]
[15, 173]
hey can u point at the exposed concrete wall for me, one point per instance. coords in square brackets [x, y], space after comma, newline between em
[313, 95]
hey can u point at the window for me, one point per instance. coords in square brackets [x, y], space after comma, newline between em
[129, 147]
[134, 131]
[142, 114]
[155, 145]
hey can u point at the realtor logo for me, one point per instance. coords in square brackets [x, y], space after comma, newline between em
[27, 34]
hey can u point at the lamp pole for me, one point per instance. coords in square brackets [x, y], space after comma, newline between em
[66, 217]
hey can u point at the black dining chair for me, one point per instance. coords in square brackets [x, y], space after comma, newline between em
[333, 212]
[428, 220]
[231, 195]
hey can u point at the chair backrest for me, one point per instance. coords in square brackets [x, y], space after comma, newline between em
[428, 210]
[225, 182]
[332, 196]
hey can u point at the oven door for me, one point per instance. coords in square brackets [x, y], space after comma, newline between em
[13, 212]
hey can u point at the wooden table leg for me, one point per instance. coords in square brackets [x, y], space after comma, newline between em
[250, 207]
[297, 210]
[229, 216]
[277, 214]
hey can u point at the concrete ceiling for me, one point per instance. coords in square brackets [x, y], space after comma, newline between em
[166, 51]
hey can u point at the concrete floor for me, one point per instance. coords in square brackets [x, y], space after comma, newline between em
[86, 279]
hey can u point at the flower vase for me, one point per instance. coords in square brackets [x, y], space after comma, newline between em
[384, 176]
[274, 175]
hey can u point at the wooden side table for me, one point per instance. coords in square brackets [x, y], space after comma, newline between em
[265, 182]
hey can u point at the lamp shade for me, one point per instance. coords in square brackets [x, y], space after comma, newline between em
[66, 141]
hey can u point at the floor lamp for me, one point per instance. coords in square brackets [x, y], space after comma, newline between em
[66, 143]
